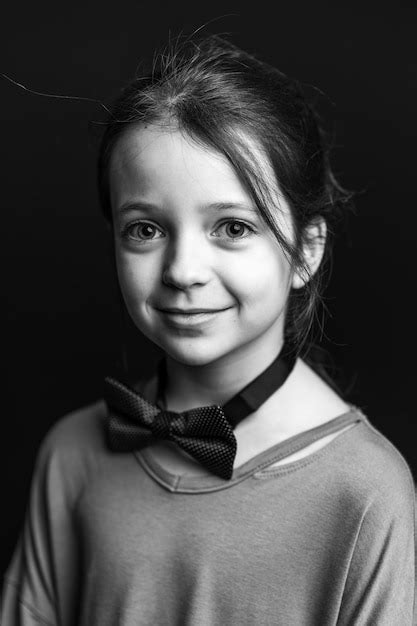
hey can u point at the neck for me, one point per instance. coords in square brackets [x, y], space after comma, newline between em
[189, 386]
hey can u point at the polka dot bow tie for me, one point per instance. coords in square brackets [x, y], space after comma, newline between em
[206, 433]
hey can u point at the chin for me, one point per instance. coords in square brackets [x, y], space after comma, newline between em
[192, 353]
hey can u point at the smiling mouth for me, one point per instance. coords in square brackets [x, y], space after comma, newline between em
[180, 318]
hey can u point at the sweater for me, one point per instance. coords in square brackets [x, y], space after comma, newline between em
[118, 539]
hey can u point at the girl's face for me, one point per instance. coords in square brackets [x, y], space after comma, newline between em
[201, 274]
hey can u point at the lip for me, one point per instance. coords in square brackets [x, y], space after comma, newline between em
[185, 318]
[177, 311]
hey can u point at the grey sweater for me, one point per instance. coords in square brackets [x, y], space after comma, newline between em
[116, 539]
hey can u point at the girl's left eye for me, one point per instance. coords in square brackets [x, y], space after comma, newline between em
[235, 229]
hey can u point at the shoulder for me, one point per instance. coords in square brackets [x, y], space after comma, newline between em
[378, 461]
[365, 458]
[80, 428]
[373, 471]
[70, 454]
[75, 444]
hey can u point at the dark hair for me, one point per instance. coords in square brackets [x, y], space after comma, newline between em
[231, 101]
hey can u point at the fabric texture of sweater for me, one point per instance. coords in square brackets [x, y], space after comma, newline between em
[117, 539]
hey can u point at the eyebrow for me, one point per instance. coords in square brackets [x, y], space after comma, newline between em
[211, 206]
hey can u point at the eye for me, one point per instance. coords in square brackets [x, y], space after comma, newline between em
[141, 231]
[235, 229]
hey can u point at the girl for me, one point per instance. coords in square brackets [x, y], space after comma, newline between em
[234, 485]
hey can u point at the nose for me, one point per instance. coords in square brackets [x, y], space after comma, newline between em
[186, 263]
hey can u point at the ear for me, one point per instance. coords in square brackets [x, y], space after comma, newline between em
[313, 250]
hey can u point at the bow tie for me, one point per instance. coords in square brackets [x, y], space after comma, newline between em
[204, 432]
[134, 423]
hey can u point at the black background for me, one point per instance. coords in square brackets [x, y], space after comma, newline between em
[62, 322]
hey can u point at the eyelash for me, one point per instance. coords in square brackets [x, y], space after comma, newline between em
[126, 230]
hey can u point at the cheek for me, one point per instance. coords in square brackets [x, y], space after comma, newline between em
[260, 279]
[135, 276]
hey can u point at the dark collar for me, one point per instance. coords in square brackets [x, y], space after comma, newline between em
[255, 393]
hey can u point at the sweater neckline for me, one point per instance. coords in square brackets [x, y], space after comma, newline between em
[185, 483]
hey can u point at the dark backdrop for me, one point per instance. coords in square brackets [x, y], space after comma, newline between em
[62, 323]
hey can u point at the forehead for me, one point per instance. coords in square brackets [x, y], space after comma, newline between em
[151, 160]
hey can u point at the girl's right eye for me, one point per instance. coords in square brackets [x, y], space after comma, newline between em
[141, 231]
